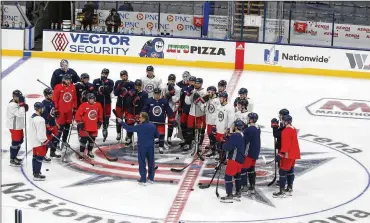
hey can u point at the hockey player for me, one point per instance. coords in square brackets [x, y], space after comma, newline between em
[146, 133]
[15, 122]
[150, 81]
[89, 118]
[172, 93]
[287, 156]
[134, 103]
[225, 117]
[242, 112]
[185, 80]
[235, 149]
[83, 88]
[222, 84]
[103, 88]
[212, 103]
[196, 122]
[243, 94]
[38, 140]
[277, 129]
[51, 126]
[65, 100]
[158, 108]
[58, 74]
[252, 137]
[121, 88]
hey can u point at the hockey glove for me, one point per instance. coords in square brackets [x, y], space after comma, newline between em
[26, 107]
[21, 101]
[56, 113]
[274, 123]
[74, 110]
[279, 156]
[100, 124]
[214, 131]
[136, 101]
[80, 125]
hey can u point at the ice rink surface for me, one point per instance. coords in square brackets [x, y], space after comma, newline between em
[332, 178]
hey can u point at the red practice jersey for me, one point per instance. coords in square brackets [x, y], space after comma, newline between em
[65, 98]
[90, 115]
[289, 143]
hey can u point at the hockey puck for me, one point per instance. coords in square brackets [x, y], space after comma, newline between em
[132, 164]
[177, 158]
[47, 169]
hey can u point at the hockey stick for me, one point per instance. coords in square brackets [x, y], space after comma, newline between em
[43, 83]
[273, 180]
[182, 169]
[201, 186]
[218, 180]
[109, 159]
[105, 118]
[68, 146]
[25, 132]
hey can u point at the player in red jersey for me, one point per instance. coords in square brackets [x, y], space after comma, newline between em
[65, 100]
[287, 155]
[89, 118]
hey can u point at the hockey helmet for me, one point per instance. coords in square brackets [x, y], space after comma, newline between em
[222, 83]
[186, 75]
[172, 77]
[243, 91]
[67, 77]
[48, 91]
[211, 88]
[124, 72]
[157, 91]
[91, 96]
[239, 124]
[38, 105]
[84, 76]
[287, 118]
[199, 80]
[283, 112]
[64, 64]
[105, 71]
[138, 82]
[223, 95]
[253, 116]
[192, 78]
[17, 93]
[149, 68]
[243, 103]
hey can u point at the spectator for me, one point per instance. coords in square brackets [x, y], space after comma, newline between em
[126, 6]
[113, 20]
[88, 11]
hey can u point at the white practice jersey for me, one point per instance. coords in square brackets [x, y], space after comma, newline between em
[196, 110]
[36, 131]
[250, 105]
[211, 110]
[150, 83]
[15, 116]
[225, 118]
[242, 116]
[173, 102]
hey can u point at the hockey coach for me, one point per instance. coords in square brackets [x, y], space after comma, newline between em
[146, 133]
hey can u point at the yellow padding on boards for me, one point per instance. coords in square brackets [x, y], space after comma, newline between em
[307, 71]
[140, 60]
[17, 53]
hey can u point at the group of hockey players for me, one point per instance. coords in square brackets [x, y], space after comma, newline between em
[231, 128]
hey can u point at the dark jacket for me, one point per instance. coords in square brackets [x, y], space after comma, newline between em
[113, 20]
[89, 11]
[58, 76]
[146, 132]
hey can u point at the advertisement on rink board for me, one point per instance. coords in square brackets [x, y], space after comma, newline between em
[174, 24]
[139, 46]
[306, 57]
[12, 16]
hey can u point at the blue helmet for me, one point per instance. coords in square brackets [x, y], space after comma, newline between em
[239, 124]
[284, 111]
[223, 95]
[253, 116]
[149, 68]
[243, 91]
[84, 76]
[211, 88]
[67, 77]
[192, 78]
[48, 91]
[38, 105]
[287, 118]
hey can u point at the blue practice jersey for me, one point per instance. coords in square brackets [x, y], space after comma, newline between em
[157, 109]
[235, 147]
[49, 112]
[252, 137]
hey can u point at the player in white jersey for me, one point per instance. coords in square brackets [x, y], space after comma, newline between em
[171, 92]
[15, 122]
[243, 94]
[225, 117]
[211, 114]
[37, 140]
[242, 113]
[194, 98]
[150, 81]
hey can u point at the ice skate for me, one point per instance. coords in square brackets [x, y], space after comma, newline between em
[46, 159]
[55, 155]
[118, 138]
[15, 163]
[289, 191]
[279, 194]
[90, 155]
[160, 150]
[38, 177]
[237, 196]
[169, 141]
[227, 199]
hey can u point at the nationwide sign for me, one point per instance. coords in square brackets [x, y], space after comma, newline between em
[342, 108]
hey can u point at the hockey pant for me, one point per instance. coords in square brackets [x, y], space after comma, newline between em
[146, 154]
[37, 163]
[85, 141]
[120, 113]
[17, 140]
[232, 170]
[212, 136]
[53, 142]
[161, 128]
[249, 172]
[106, 116]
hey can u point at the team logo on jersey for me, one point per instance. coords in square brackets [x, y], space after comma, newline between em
[149, 88]
[92, 115]
[211, 108]
[52, 112]
[221, 116]
[67, 97]
[157, 110]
